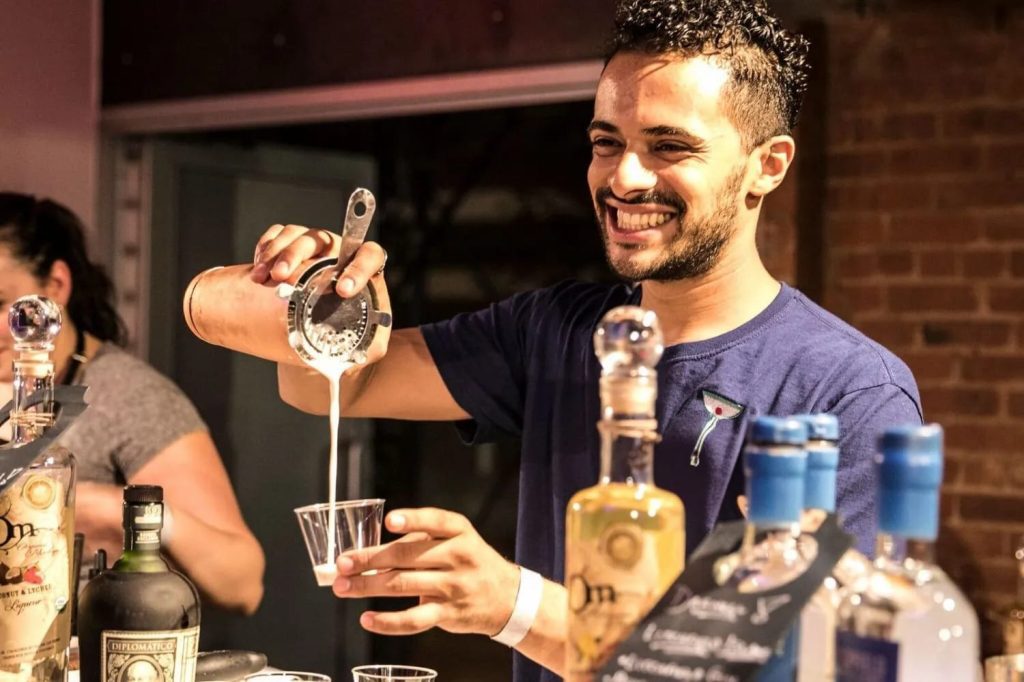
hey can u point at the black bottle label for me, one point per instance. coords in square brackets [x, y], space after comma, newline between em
[150, 656]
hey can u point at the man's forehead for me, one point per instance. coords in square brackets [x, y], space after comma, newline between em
[644, 91]
[632, 75]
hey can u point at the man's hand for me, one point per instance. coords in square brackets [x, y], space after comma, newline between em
[463, 584]
[282, 248]
[280, 252]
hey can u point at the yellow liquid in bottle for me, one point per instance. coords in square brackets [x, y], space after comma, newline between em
[625, 545]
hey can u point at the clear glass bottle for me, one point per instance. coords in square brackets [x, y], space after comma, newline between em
[816, 658]
[1012, 617]
[140, 619]
[36, 512]
[773, 551]
[906, 620]
[625, 538]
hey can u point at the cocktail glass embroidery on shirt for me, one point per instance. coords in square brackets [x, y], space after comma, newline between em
[719, 408]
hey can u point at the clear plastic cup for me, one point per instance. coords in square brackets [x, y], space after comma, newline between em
[356, 525]
[286, 676]
[392, 673]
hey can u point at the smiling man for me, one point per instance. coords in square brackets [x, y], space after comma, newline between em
[691, 130]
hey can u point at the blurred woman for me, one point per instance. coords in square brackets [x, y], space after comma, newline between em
[139, 428]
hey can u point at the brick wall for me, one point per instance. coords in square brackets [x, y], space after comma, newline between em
[925, 247]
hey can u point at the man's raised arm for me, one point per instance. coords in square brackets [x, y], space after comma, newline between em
[399, 380]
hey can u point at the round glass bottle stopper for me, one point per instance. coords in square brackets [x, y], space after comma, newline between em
[628, 339]
[34, 322]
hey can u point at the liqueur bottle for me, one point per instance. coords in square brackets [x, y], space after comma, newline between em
[906, 620]
[773, 552]
[625, 538]
[36, 512]
[140, 619]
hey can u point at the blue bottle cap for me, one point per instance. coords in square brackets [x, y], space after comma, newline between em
[821, 426]
[909, 476]
[778, 430]
[775, 465]
[822, 461]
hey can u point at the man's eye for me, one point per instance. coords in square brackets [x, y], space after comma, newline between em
[673, 148]
[603, 146]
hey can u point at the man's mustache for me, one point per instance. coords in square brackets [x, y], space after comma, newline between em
[649, 197]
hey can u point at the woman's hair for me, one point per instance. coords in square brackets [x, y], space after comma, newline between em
[40, 232]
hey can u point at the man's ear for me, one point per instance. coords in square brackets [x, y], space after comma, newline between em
[771, 161]
[58, 283]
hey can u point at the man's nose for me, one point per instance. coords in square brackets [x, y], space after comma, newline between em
[631, 175]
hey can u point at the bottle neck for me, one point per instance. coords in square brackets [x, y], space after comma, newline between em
[896, 549]
[142, 525]
[33, 378]
[782, 534]
[627, 451]
[629, 429]
[1019, 555]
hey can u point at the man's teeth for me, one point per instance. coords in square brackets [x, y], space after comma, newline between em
[640, 221]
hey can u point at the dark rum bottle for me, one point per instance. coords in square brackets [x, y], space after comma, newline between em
[140, 619]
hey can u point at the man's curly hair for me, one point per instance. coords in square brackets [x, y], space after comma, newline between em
[768, 64]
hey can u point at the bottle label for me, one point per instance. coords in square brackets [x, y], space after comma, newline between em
[865, 658]
[153, 656]
[612, 582]
[35, 580]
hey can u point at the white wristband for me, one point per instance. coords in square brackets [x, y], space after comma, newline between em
[531, 587]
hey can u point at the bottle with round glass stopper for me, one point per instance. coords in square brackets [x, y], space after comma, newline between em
[36, 511]
[625, 538]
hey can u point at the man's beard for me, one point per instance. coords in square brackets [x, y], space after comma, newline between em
[696, 247]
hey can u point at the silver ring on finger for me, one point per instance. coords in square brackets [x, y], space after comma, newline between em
[380, 270]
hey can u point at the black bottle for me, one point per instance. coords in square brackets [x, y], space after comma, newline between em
[139, 621]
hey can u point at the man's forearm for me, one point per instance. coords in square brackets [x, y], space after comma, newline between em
[306, 389]
[546, 640]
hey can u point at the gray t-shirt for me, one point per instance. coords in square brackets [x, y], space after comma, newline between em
[134, 413]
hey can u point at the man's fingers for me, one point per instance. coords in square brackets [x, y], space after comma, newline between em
[261, 269]
[393, 584]
[267, 237]
[423, 554]
[437, 523]
[283, 247]
[408, 622]
[292, 248]
[366, 262]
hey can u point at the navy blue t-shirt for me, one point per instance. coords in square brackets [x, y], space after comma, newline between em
[526, 366]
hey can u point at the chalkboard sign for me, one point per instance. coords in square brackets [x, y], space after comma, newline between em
[69, 403]
[702, 631]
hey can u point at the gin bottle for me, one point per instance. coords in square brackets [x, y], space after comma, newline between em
[140, 619]
[773, 552]
[816, 658]
[906, 620]
[624, 537]
[36, 512]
